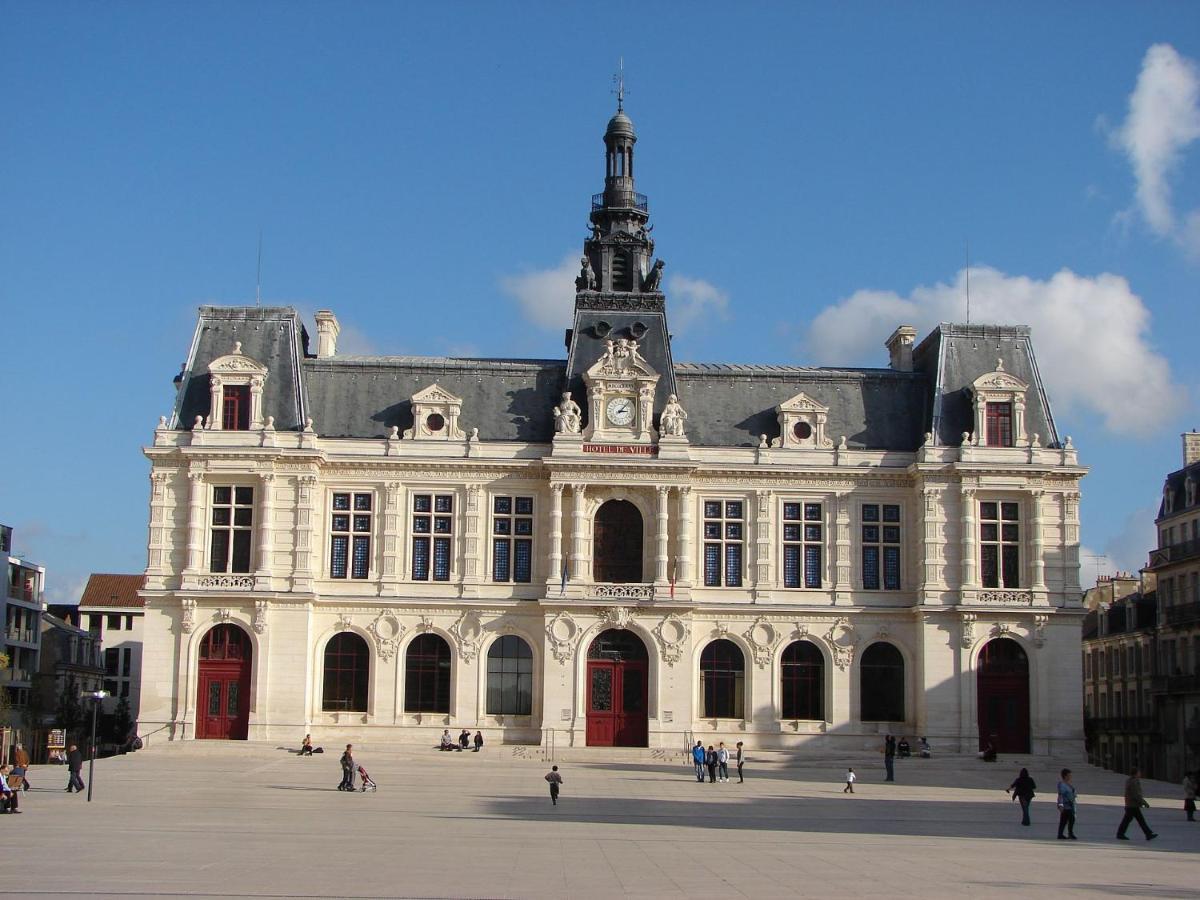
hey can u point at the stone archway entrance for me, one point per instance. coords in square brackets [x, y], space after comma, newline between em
[617, 556]
[1002, 683]
[223, 703]
[617, 690]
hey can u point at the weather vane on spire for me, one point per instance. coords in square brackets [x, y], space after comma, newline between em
[619, 81]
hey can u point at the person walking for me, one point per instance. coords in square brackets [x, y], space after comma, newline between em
[1022, 789]
[1134, 801]
[21, 765]
[1189, 794]
[741, 761]
[698, 759]
[1066, 806]
[347, 769]
[555, 783]
[889, 757]
[850, 779]
[74, 767]
[722, 762]
[710, 760]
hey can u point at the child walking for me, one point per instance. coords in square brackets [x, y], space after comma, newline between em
[850, 779]
[555, 781]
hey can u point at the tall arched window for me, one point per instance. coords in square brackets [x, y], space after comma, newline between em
[427, 675]
[722, 681]
[347, 670]
[802, 682]
[881, 680]
[509, 677]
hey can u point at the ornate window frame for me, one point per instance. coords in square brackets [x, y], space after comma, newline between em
[802, 422]
[999, 387]
[235, 369]
[435, 413]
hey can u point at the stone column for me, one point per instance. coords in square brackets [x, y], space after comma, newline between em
[968, 537]
[579, 560]
[1037, 541]
[931, 579]
[392, 557]
[472, 557]
[195, 527]
[1070, 515]
[302, 571]
[554, 576]
[266, 483]
[841, 569]
[159, 543]
[661, 523]
[683, 567]
[762, 540]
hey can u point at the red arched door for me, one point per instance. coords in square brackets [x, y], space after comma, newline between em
[1003, 696]
[223, 704]
[617, 691]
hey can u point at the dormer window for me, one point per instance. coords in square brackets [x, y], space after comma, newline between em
[435, 415]
[802, 423]
[999, 399]
[999, 424]
[235, 407]
[235, 392]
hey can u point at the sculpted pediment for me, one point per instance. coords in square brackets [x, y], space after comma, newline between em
[801, 403]
[435, 393]
[999, 380]
[621, 360]
[236, 363]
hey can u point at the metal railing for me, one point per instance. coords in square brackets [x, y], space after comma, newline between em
[620, 200]
[1182, 612]
[1174, 553]
[20, 593]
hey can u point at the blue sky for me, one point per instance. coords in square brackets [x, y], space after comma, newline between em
[815, 173]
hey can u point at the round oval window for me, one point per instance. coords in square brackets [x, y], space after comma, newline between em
[435, 422]
[802, 431]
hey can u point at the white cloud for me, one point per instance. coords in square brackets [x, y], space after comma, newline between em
[546, 296]
[694, 301]
[1129, 548]
[1091, 336]
[1163, 120]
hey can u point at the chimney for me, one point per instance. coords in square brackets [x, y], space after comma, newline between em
[900, 347]
[1191, 447]
[327, 333]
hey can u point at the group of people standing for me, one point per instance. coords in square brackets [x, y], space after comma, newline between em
[716, 762]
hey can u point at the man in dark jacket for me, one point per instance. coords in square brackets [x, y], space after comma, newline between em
[889, 757]
[1134, 801]
[74, 767]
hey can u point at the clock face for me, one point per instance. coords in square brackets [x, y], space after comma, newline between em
[620, 410]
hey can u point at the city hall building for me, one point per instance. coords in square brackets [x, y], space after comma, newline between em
[615, 548]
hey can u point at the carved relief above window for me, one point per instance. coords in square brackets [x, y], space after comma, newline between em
[235, 392]
[999, 399]
[435, 415]
[802, 423]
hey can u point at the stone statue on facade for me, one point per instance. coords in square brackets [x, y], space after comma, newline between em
[587, 276]
[653, 282]
[671, 423]
[567, 416]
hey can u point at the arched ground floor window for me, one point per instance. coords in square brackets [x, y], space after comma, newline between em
[427, 675]
[722, 681]
[802, 682]
[509, 677]
[881, 683]
[347, 673]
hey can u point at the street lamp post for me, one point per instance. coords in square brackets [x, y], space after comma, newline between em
[95, 697]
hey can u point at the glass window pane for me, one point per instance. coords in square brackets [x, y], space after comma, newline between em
[341, 501]
[870, 513]
[812, 567]
[891, 534]
[523, 562]
[870, 534]
[241, 552]
[891, 512]
[1009, 532]
[791, 511]
[987, 510]
[420, 559]
[791, 566]
[524, 506]
[222, 515]
[523, 526]
[339, 552]
[362, 557]
[870, 558]
[1012, 568]
[988, 532]
[500, 561]
[421, 524]
[501, 526]
[219, 556]
[421, 503]
[341, 523]
[733, 509]
[502, 505]
[812, 532]
[712, 529]
[231, 698]
[733, 531]
[441, 525]
[989, 564]
[812, 512]
[443, 503]
[214, 698]
[1008, 511]
[243, 495]
[712, 565]
[222, 495]
[441, 559]
[243, 516]
[362, 502]
[891, 568]
[733, 565]
[362, 523]
[791, 532]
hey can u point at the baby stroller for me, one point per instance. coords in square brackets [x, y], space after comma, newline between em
[367, 783]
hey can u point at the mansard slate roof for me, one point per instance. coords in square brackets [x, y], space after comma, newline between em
[1175, 486]
[512, 399]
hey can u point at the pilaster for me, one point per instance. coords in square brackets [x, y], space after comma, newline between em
[579, 555]
[554, 576]
[266, 512]
[472, 556]
[683, 566]
[1037, 540]
[842, 586]
[197, 489]
[661, 524]
[968, 538]
[302, 570]
[762, 542]
[393, 558]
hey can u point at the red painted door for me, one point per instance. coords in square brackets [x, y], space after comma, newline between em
[1003, 696]
[616, 703]
[223, 701]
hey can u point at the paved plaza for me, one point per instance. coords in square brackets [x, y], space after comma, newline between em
[251, 820]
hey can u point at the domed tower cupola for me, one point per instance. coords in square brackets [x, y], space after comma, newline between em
[618, 253]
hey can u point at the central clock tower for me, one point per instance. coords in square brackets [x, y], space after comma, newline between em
[619, 367]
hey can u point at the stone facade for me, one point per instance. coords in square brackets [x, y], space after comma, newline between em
[929, 506]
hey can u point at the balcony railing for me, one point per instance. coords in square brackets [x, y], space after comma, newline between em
[17, 634]
[1174, 553]
[620, 592]
[621, 200]
[19, 593]
[10, 675]
[1182, 612]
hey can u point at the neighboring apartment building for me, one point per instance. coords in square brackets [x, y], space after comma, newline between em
[612, 548]
[25, 586]
[1118, 672]
[71, 661]
[1176, 565]
[111, 609]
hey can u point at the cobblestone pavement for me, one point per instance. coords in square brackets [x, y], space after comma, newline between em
[258, 821]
